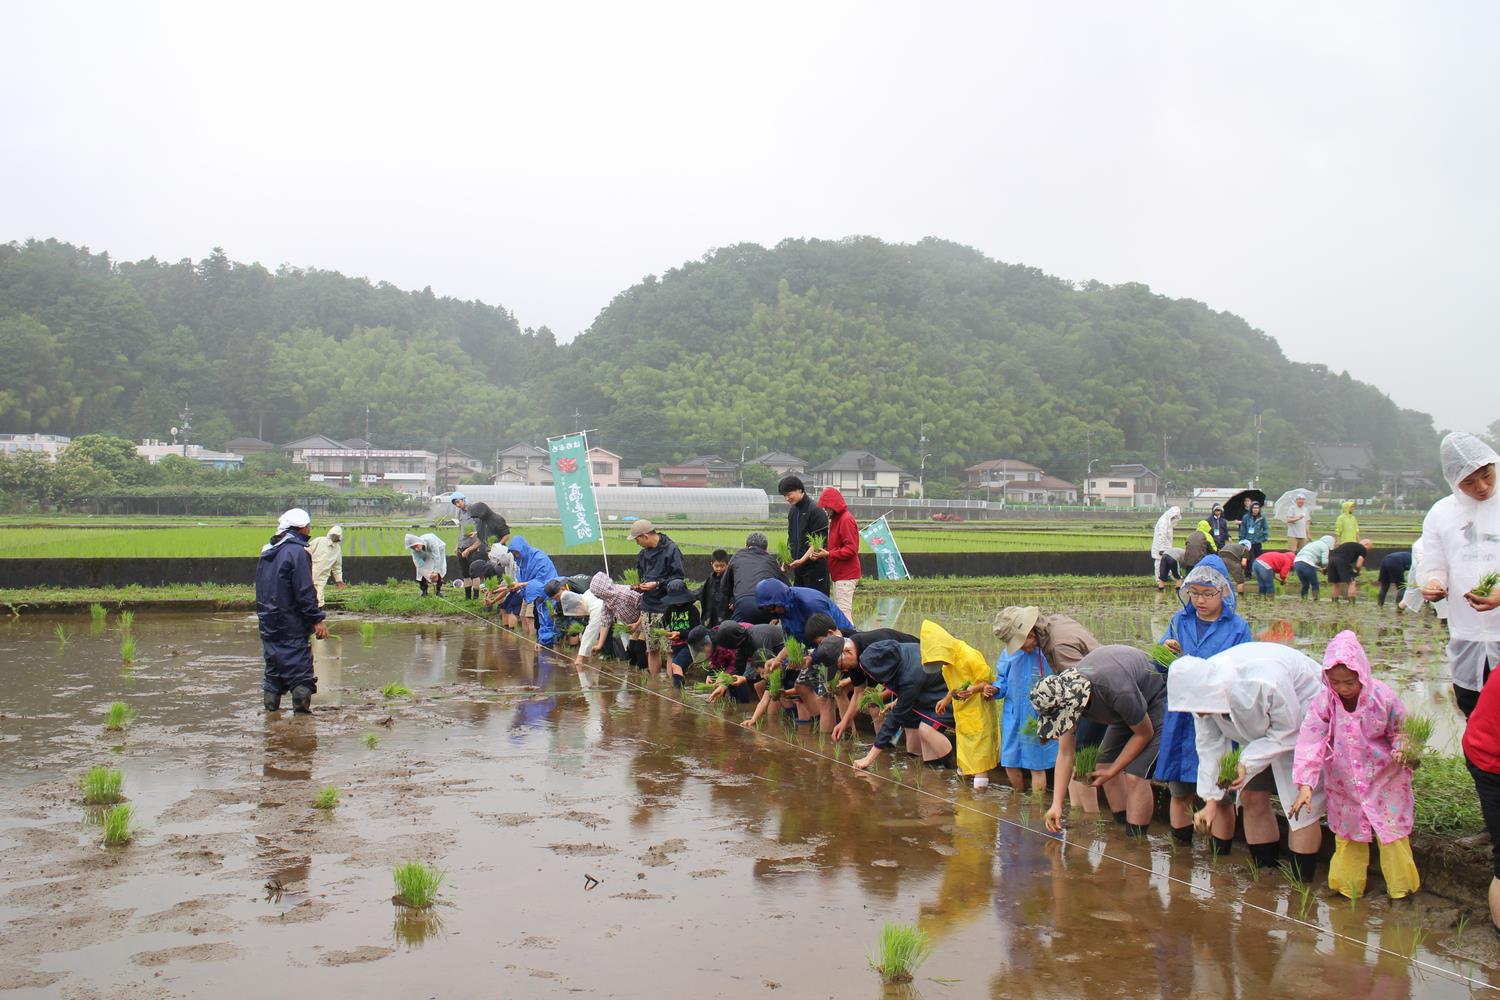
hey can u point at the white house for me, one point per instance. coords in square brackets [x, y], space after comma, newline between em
[860, 474]
[42, 444]
[154, 451]
[1131, 485]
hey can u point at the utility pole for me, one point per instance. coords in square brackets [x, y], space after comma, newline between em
[922, 468]
[1257, 449]
[1165, 437]
[186, 425]
[576, 418]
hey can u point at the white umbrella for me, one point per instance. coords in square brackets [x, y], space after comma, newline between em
[1288, 500]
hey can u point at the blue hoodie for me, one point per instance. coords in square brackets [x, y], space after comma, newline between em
[801, 603]
[534, 568]
[1178, 759]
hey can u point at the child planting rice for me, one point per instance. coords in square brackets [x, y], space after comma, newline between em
[1020, 751]
[967, 676]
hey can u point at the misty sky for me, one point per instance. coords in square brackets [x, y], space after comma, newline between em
[1327, 171]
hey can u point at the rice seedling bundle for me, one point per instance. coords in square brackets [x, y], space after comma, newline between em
[117, 828]
[630, 577]
[1030, 728]
[1486, 584]
[1416, 731]
[61, 631]
[783, 552]
[1229, 768]
[817, 541]
[1085, 762]
[120, 715]
[774, 678]
[394, 690]
[367, 633]
[1163, 655]
[371, 741]
[416, 884]
[722, 678]
[796, 652]
[327, 798]
[101, 786]
[127, 619]
[575, 628]
[127, 648]
[97, 615]
[903, 947]
[873, 697]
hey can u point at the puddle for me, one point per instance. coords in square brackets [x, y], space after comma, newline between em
[593, 835]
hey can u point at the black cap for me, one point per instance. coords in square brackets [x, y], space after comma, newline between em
[829, 650]
[699, 637]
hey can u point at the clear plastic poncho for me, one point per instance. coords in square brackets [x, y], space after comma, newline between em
[1288, 501]
[1462, 454]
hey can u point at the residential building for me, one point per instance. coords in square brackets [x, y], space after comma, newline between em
[297, 448]
[522, 465]
[604, 468]
[994, 475]
[154, 451]
[631, 477]
[43, 444]
[781, 463]
[861, 474]
[404, 470]
[700, 471]
[454, 467]
[1342, 469]
[693, 476]
[248, 445]
[1045, 489]
[1131, 485]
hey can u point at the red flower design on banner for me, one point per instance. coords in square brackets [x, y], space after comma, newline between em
[878, 540]
[568, 465]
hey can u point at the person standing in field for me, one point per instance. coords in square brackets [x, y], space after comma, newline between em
[487, 524]
[1296, 524]
[804, 520]
[658, 562]
[1346, 528]
[1161, 541]
[841, 549]
[286, 608]
[1345, 560]
[1254, 532]
[1460, 545]
[1218, 526]
[976, 724]
[327, 557]
[1393, 570]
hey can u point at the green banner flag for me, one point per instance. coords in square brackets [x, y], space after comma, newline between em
[888, 562]
[575, 489]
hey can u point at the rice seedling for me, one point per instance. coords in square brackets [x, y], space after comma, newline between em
[620, 631]
[774, 682]
[127, 620]
[1030, 728]
[903, 947]
[1229, 768]
[1163, 655]
[1303, 889]
[721, 678]
[1416, 730]
[817, 541]
[510, 581]
[630, 577]
[1486, 584]
[367, 634]
[120, 715]
[796, 652]
[1418, 938]
[660, 639]
[117, 828]
[327, 798]
[416, 884]
[783, 552]
[1085, 762]
[873, 697]
[1254, 869]
[371, 741]
[101, 786]
[97, 616]
[127, 649]
[703, 687]
[1460, 929]
[61, 631]
[394, 690]
[575, 628]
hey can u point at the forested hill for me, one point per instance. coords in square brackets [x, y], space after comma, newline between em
[811, 347]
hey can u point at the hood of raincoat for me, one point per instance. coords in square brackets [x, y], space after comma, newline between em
[1348, 506]
[1462, 454]
[1194, 685]
[1345, 651]
[772, 593]
[939, 647]
[832, 501]
[1210, 572]
[884, 660]
[337, 531]
[1208, 532]
[412, 539]
[732, 635]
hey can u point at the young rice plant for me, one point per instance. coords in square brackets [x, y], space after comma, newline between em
[416, 884]
[903, 947]
[117, 828]
[394, 690]
[1085, 762]
[1229, 768]
[101, 786]
[120, 715]
[327, 798]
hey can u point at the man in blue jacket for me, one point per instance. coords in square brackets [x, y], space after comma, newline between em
[287, 606]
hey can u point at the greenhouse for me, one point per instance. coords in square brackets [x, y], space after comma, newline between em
[617, 503]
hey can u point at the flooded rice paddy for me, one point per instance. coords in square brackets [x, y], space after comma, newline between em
[728, 863]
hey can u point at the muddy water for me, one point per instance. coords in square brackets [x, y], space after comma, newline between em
[729, 863]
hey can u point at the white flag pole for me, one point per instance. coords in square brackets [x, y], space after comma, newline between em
[598, 514]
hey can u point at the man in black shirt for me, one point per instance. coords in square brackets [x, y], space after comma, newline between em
[487, 524]
[748, 567]
[839, 655]
[1344, 563]
[805, 519]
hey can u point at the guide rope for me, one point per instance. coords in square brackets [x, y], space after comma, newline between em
[629, 682]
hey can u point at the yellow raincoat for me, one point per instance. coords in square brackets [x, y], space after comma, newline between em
[974, 718]
[1346, 528]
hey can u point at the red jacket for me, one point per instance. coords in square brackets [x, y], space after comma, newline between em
[1482, 735]
[843, 536]
[1280, 562]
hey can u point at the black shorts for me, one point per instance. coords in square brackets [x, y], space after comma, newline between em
[1115, 738]
[1488, 787]
[1340, 571]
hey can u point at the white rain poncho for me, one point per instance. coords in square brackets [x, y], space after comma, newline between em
[431, 558]
[1161, 538]
[580, 605]
[1254, 694]
[1412, 599]
[328, 556]
[1460, 543]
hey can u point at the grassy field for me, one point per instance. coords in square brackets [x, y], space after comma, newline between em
[166, 538]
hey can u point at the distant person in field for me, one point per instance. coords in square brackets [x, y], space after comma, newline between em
[1346, 528]
[1218, 525]
[747, 568]
[327, 557]
[472, 551]
[1311, 559]
[841, 549]
[714, 597]
[1297, 524]
[1270, 567]
[1161, 541]
[1236, 559]
[286, 607]
[1345, 560]
[487, 524]
[1254, 531]
[804, 520]
[429, 555]
[1460, 546]
[1393, 570]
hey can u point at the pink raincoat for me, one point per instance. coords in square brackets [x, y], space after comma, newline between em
[1354, 752]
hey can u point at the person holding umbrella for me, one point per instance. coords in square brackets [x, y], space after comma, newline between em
[1296, 508]
[1254, 531]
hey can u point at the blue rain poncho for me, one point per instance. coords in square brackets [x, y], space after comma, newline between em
[431, 558]
[534, 568]
[286, 606]
[801, 603]
[1015, 673]
[1178, 759]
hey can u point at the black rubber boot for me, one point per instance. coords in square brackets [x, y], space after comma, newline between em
[1183, 834]
[1265, 855]
[1305, 865]
[272, 701]
[1222, 846]
[1136, 829]
[1120, 817]
[423, 585]
[302, 700]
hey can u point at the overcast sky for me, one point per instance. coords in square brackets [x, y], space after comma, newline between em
[1327, 171]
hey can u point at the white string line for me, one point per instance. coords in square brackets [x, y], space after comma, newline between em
[630, 682]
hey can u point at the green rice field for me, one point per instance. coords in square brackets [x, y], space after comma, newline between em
[104, 538]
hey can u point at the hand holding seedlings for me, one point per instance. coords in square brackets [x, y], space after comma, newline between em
[1203, 819]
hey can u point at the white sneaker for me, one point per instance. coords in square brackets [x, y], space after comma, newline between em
[981, 781]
